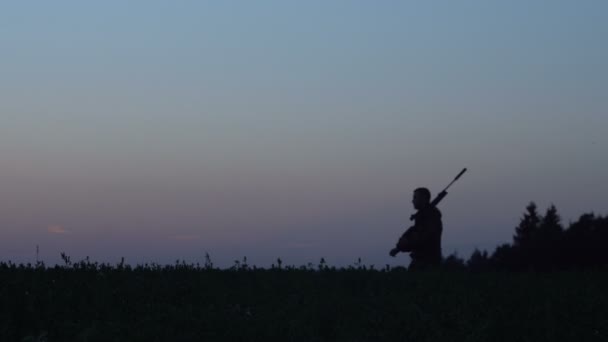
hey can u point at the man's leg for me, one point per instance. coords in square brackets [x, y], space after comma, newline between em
[417, 265]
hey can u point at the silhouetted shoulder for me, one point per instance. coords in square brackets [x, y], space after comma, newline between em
[431, 213]
[435, 212]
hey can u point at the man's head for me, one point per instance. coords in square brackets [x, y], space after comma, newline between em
[422, 198]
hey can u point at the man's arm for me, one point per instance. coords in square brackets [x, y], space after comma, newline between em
[418, 235]
[402, 244]
[428, 229]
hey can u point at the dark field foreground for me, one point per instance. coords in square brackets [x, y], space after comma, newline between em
[181, 303]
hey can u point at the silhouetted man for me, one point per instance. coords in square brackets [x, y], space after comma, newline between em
[423, 240]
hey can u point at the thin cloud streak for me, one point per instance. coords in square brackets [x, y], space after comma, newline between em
[57, 229]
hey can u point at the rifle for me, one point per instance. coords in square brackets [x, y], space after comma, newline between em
[442, 194]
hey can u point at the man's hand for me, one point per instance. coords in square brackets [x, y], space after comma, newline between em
[393, 252]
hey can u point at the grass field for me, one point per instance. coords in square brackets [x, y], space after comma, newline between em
[91, 302]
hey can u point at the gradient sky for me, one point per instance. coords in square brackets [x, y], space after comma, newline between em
[158, 130]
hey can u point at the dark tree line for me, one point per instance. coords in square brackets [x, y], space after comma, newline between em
[541, 243]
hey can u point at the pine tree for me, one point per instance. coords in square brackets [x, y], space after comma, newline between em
[479, 261]
[547, 252]
[550, 225]
[505, 258]
[528, 227]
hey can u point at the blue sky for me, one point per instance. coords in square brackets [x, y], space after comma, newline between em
[163, 130]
